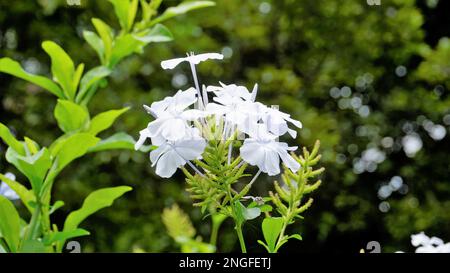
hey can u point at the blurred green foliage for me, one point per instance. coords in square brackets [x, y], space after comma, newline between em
[359, 77]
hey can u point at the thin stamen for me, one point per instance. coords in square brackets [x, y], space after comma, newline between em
[195, 169]
[230, 149]
[254, 178]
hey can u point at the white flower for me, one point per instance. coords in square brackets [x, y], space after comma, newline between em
[6, 191]
[426, 244]
[262, 150]
[192, 59]
[171, 155]
[234, 90]
[276, 121]
[171, 117]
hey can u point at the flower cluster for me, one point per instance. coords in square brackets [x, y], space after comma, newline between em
[425, 244]
[176, 130]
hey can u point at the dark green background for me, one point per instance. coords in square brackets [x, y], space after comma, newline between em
[297, 50]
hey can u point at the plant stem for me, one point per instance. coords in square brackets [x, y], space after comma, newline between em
[241, 238]
[214, 233]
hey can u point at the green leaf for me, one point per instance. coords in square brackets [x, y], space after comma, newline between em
[119, 140]
[121, 8]
[271, 228]
[104, 120]
[295, 236]
[12, 67]
[132, 10]
[77, 76]
[97, 200]
[72, 148]
[25, 195]
[63, 69]
[64, 235]
[31, 145]
[33, 246]
[10, 140]
[71, 116]
[96, 43]
[89, 79]
[34, 167]
[123, 46]
[159, 33]
[9, 224]
[106, 35]
[264, 245]
[58, 204]
[182, 9]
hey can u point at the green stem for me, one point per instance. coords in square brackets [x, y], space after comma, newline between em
[32, 232]
[214, 233]
[241, 238]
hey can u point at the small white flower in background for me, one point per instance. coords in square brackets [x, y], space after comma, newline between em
[425, 244]
[6, 191]
[177, 142]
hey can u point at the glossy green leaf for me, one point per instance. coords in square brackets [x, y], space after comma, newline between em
[73, 147]
[295, 236]
[31, 146]
[104, 120]
[132, 11]
[10, 140]
[119, 140]
[271, 228]
[63, 69]
[123, 46]
[34, 167]
[182, 9]
[106, 35]
[58, 204]
[71, 116]
[121, 8]
[89, 79]
[24, 194]
[33, 246]
[159, 33]
[64, 235]
[77, 76]
[12, 67]
[9, 224]
[97, 200]
[96, 43]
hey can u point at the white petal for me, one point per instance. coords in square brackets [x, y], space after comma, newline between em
[288, 160]
[196, 59]
[168, 164]
[174, 129]
[172, 63]
[252, 153]
[191, 149]
[143, 135]
[419, 239]
[193, 114]
[272, 163]
[184, 99]
[7, 192]
[158, 152]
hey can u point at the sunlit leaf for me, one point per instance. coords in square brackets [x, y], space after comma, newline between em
[97, 200]
[12, 67]
[9, 224]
